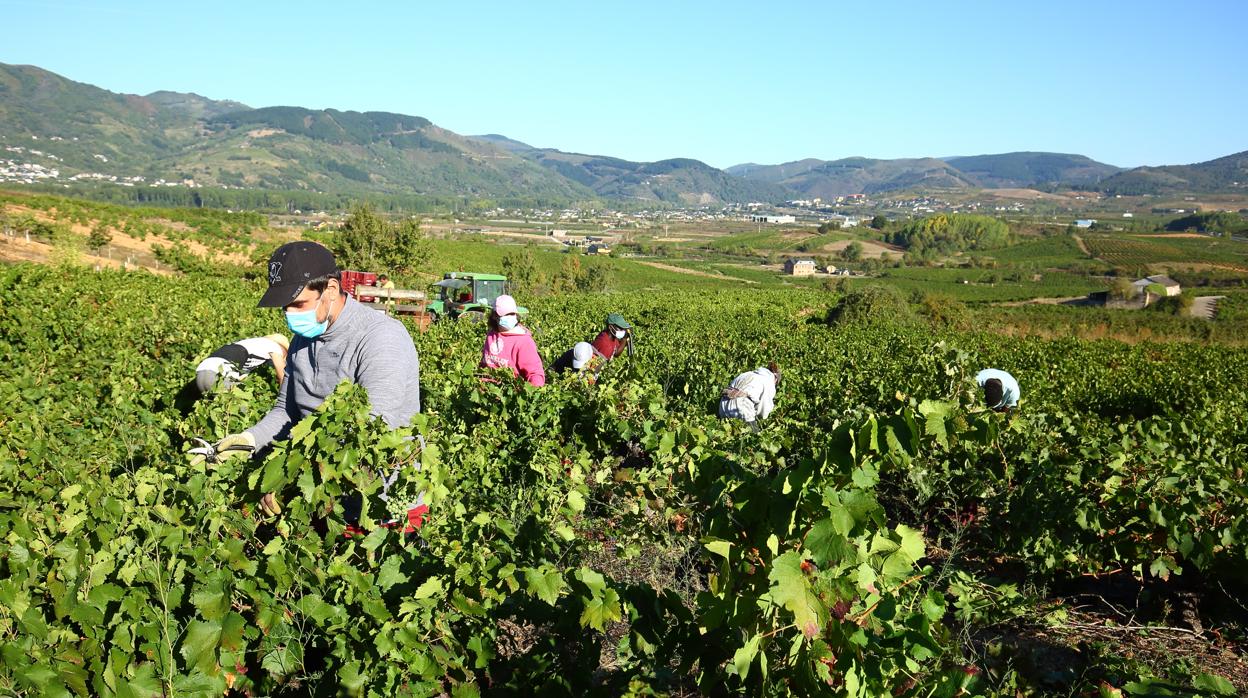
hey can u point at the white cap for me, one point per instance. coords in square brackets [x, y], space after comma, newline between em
[581, 354]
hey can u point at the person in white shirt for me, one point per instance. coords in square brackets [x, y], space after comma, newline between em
[1000, 389]
[232, 363]
[751, 396]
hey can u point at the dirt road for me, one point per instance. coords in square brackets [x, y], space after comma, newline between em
[1082, 246]
[1068, 300]
[694, 272]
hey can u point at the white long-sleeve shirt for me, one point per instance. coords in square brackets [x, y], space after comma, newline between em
[759, 388]
[239, 359]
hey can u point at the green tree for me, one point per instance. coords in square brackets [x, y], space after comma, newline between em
[1212, 222]
[878, 222]
[368, 241]
[949, 233]
[852, 252]
[34, 228]
[66, 247]
[409, 249]
[356, 243]
[871, 304]
[100, 236]
[597, 278]
[522, 271]
[569, 276]
[1122, 289]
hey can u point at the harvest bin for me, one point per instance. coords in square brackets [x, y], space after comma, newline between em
[351, 279]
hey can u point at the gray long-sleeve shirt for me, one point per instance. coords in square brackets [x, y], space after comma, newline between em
[364, 346]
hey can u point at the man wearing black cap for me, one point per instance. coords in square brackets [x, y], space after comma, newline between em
[335, 339]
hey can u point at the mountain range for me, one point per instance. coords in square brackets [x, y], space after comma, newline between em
[80, 128]
[1228, 173]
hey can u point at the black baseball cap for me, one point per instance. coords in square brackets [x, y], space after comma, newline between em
[291, 267]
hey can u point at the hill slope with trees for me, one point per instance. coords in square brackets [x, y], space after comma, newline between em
[1032, 169]
[79, 128]
[1224, 174]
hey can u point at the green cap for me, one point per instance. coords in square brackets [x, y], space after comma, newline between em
[618, 320]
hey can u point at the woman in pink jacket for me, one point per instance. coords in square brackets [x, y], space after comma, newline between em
[508, 344]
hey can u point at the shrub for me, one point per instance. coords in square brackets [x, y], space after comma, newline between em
[942, 311]
[870, 305]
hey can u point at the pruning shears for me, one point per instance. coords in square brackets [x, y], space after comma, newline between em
[210, 451]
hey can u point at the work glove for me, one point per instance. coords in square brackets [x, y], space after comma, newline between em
[230, 447]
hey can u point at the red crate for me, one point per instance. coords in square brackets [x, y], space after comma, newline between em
[351, 279]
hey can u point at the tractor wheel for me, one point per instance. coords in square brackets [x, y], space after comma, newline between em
[476, 316]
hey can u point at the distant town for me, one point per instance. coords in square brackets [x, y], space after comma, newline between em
[30, 165]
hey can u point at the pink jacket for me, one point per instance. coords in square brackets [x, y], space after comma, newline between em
[515, 350]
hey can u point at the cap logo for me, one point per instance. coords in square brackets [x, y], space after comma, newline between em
[275, 272]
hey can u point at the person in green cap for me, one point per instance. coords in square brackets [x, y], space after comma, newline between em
[615, 339]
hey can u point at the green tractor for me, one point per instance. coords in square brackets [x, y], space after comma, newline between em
[466, 294]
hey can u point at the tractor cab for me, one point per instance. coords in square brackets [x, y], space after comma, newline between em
[470, 294]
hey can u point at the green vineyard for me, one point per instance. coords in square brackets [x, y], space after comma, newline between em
[606, 539]
[1142, 250]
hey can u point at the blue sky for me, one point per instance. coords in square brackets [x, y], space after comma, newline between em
[1129, 83]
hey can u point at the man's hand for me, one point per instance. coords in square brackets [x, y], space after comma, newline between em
[279, 365]
[229, 447]
[268, 503]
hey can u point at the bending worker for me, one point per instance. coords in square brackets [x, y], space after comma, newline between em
[1000, 389]
[336, 339]
[751, 396]
[231, 364]
[581, 358]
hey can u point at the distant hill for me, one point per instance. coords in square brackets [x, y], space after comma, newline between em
[194, 105]
[504, 142]
[775, 173]
[677, 181]
[79, 128]
[1010, 170]
[82, 130]
[174, 136]
[130, 131]
[1225, 174]
[826, 179]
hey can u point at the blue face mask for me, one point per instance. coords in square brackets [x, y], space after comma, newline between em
[304, 324]
[508, 322]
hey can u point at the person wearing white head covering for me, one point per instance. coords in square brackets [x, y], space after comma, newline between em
[751, 396]
[582, 359]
